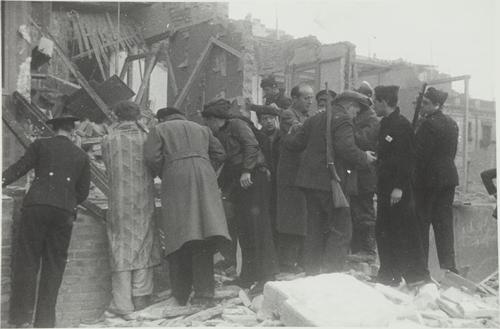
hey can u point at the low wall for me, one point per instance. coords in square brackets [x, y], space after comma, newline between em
[86, 288]
[476, 242]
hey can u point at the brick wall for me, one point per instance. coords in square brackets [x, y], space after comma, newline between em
[86, 288]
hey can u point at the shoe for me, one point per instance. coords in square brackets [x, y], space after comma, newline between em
[206, 302]
[141, 302]
[238, 282]
[257, 289]
[362, 257]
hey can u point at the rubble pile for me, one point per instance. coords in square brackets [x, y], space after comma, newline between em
[337, 299]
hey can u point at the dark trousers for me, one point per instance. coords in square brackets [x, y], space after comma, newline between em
[44, 235]
[259, 260]
[399, 241]
[228, 248]
[435, 207]
[363, 223]
[290, 250]
[192, 268]
[329, 232]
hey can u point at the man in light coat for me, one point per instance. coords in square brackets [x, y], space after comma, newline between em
[130, 225]
[185, 155]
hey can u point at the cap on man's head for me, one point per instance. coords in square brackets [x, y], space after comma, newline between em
[386, 91]
[365, 88]
[322, 93]
[218, 108]
[167, 111]
[127, 111]
[436, 96]
[354, 96]
[268, 82]
[265, 110]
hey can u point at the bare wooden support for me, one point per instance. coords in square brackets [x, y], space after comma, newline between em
[147, 74]
[79, 77]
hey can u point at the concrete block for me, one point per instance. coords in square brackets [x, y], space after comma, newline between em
[327, 300]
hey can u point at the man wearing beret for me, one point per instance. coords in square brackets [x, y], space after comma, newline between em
[397, 228]
[273, 95]
[321, 98]
[62, 181]
[328, 232]
[185, 156]
[131, 229]
[436, 176]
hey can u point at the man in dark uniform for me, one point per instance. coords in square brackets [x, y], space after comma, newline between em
[436, 176]
[328, 235]
[321, 98]
[397, 228]
[366, 126]
[273, 94]
[62, 181]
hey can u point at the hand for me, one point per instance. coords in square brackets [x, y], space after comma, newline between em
[396, 196]
[274, 105]
[370, 155]
[294, 128]
[268, 175]
[246, 180]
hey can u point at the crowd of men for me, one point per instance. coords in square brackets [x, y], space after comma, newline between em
[271, 188]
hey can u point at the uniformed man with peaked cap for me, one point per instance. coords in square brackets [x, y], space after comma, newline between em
[62, 181]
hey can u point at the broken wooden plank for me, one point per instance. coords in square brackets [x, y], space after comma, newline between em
[124, 70]
[82, 32]
[205, 314]
[79, 77]
[194, 74]
[76, 32]
[97, 55]
[116, 37]
[171, 75]
[227, 47]
[454, 280]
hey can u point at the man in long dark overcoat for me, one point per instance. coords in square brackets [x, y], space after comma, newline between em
[437, 176]
[397, 228]
[328, 233]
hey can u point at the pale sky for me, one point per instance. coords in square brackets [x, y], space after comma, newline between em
[455, 35]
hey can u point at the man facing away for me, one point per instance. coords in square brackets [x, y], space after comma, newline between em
[132, 235]
[436, 176]
[397, 229]
[184, 155]
[62, 181]
[328, 233]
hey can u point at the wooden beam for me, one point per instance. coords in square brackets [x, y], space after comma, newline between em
[227, 47]
[171, 76]
[79, 77]
[147, 74]
[194, 74]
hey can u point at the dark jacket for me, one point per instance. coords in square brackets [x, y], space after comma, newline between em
[62, 173]
[396, 153]
[436, 146]
[366, 127]
[279, 99]
[242, 150]
[310, 138]
[487, 177]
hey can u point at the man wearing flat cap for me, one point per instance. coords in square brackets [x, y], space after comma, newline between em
[397, 227]
[436, 176]
[185, 155]
[273, 95]
[245, 182]
[62, 181]
[132, 234]
[328, 232]
[321, 98]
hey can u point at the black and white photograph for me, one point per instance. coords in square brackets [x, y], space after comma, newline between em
[249, 164]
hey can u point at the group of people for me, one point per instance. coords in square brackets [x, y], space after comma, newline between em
[267, 187]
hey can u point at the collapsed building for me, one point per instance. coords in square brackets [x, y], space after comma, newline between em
[86, 56]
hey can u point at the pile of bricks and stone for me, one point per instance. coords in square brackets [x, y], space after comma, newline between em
[335, 300]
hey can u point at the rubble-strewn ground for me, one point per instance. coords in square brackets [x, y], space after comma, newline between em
[456, 302]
